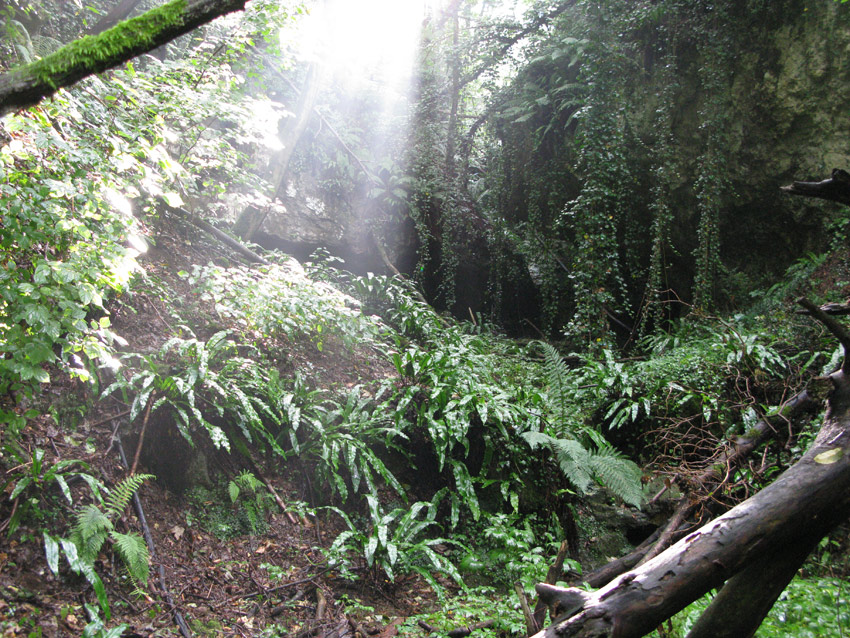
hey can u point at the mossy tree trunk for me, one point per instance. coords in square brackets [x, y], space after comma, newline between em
[27, 85]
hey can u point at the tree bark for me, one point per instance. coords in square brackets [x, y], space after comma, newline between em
[29, 84]
[739, 608]
[836, 188]
[784, 519]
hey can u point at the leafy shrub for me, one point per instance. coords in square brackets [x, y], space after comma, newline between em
[63, 243]
[570, 440]
[250, 496]
[808, 608]
[247, 511]
[280, 301]
[188, 374]
[393, 541]
[34, 476]
[470, 607]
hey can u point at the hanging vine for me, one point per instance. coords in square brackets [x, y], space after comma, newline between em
[665, 175]
[712, 183]
[594, 216]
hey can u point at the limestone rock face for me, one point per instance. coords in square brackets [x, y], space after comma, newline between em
[786, 118]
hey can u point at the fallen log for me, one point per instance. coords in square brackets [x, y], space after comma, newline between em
[732, 456]
[784, 519]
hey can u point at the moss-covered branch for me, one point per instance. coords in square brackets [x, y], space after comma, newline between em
[27, 85]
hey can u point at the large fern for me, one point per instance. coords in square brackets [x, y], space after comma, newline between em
[120, 495]
[93, 526]
[582, 466]
[90, 531]
[557, 378]
[134, 552]
[618, 474]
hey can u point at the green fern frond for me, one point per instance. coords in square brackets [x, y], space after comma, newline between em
[618, 474]
[557, 378]
[572, 457]
[133, 551]
[120, 495]
[575, 462]
[537, 439]
[90, 531]
[581, 466]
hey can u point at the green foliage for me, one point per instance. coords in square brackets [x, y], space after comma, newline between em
[281, 302]
[34, 477]
[393, 542]
[187, 375]
[248, 494]
[512, 548]
[119, 496]
[797, 278]
[92, 527]
[593, 217]
[64, 252]
[214, 510]
[90, 52]
[96, 628]
[451, 383]
[473, 606]
[683, 377]
[346, 440]
[712, 185]
[583, 466]
[808, 608]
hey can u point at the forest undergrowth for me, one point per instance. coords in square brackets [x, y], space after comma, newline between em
[310, 426]
[321, 452]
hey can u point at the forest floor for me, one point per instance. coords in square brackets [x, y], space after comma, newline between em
[227, 576]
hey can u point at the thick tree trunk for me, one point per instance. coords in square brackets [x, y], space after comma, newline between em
[27, 85]
[784, 520]
[739, 608]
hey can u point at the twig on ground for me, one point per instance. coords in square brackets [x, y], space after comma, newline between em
[272, 491]
[8, 521]
[271, 590]
[531, 625]
[142, 433]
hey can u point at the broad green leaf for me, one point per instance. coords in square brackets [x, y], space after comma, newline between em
[369, 550]
[51, 552]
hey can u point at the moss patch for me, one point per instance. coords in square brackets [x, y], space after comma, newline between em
[90, 51]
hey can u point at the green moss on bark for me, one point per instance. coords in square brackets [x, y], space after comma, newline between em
[90, 52]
